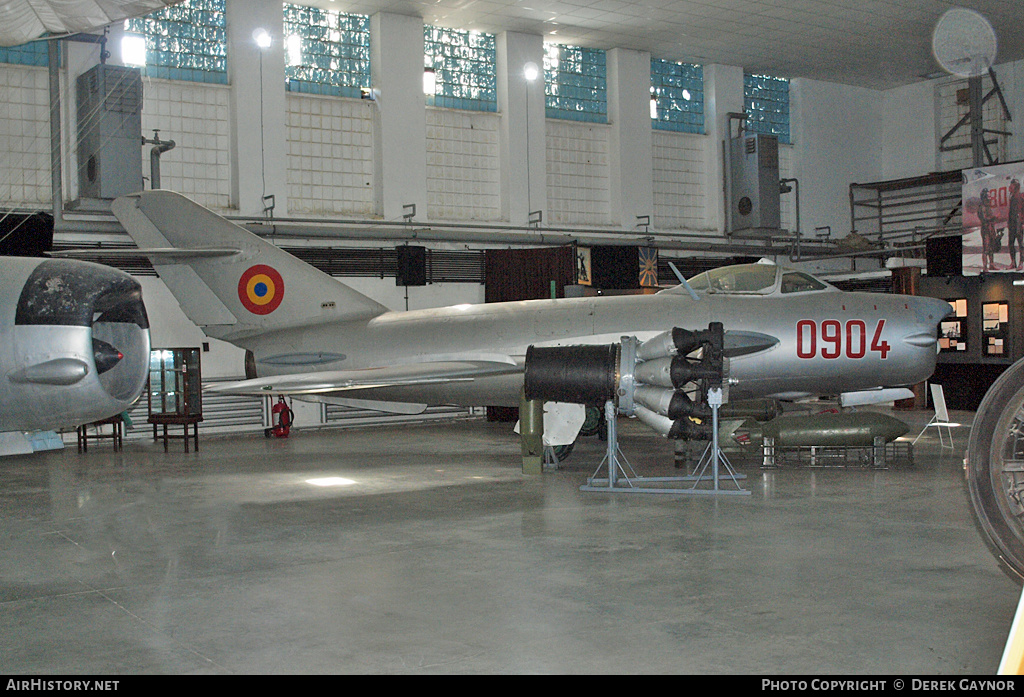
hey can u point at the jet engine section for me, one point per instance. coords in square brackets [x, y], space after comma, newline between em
[585, 374]
[651, 380]
[75, 343]
[667, 369]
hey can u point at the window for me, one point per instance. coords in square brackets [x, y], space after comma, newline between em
[678, 90]
[796, 282]
[133, 50]
[465, 76]
[575, 83]
[184, 42]
[326, 52]
[766, 103]
[744, 278]
[32, 53]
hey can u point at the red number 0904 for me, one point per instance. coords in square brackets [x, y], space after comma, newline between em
[832, 339]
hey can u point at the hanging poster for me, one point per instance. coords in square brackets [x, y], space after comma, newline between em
[648, 257]
[993, 219]
[583, 276]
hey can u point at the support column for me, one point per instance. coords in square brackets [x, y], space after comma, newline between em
[723, 93]
[629, 113]
[400, 140]
[259, 153]
[522, 137]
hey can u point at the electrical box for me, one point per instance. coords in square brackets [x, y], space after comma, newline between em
[109, 131]
[753, 195]
[412, 266]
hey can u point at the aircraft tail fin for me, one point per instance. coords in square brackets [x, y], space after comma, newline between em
[227, 280]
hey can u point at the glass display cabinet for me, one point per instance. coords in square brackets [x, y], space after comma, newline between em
[175, 393]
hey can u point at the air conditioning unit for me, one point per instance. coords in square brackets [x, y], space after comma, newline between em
[753, 192]
[109, 131]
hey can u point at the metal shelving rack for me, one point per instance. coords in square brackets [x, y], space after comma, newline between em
[907, 210]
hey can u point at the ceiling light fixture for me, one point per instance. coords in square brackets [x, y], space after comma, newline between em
[262, 38]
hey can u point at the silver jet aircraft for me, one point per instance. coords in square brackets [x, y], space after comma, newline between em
[787, 334]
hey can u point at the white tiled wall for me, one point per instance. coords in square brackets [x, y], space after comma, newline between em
[578, 174]
[463, 181]
[195, 116]
[680, 180]
[330, 155]
[24, 136]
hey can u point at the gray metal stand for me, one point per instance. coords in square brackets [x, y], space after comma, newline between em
[619, 480]
[715, 458]
[549, 461]
[613, 459]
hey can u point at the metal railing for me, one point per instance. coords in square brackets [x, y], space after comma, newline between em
[907, 210]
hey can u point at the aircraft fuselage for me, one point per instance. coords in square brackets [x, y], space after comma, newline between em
[828, 342]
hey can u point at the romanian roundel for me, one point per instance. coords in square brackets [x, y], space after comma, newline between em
[261, 289]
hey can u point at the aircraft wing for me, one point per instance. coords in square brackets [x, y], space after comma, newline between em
[426, 373]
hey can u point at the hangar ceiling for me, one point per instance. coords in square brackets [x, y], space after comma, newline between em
[878, 44]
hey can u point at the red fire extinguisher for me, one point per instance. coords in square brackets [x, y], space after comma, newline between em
[281, 416]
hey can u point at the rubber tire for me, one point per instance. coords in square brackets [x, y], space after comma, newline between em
[562, 452]
[992, 508]
[593, 421]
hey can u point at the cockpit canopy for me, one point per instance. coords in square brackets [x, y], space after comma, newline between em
[754, 279]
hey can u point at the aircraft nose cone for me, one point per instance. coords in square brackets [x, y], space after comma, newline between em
[105, 356]
[933, 309]
[929, 311]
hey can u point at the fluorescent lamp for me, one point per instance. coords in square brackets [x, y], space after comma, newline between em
[429, 81]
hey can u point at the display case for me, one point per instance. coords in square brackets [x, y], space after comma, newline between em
[995, 319]
[953, 329]
[174, 391]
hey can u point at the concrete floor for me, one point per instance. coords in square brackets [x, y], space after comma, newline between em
[441, 557]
